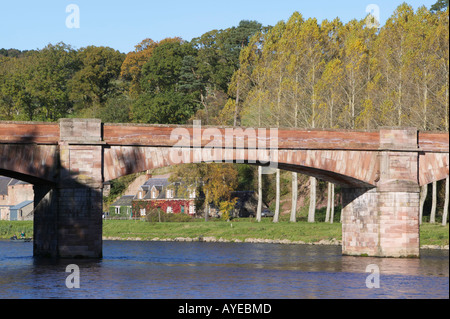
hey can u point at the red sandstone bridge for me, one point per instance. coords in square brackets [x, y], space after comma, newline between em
[380, 173]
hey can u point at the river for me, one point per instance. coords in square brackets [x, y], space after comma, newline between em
[199, 270]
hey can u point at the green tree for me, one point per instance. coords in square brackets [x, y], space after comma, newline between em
[51, 70]
[440, 5]
[168, 107]
[169, 85]
[97, 79]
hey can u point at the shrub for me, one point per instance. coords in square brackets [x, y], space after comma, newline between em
[157, 215]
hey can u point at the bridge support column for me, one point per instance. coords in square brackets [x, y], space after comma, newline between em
[380, 223]
[384, 221]
[68, 223]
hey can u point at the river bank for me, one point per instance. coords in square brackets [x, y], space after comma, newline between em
[332, 242]
[249, 231]
[432, 236]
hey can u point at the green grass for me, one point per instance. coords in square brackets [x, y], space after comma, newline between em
[236, 229]
[9, 228]
[434, 234]
[240, 229]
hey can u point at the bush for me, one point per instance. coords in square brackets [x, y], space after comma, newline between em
[158, 215]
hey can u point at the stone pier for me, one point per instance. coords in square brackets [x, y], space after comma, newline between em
[384, 221]
[68, 222]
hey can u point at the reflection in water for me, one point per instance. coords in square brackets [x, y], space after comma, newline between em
[221, 270]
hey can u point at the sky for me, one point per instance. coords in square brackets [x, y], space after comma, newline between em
[33, 24]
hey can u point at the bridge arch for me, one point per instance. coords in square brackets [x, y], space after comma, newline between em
[36, 164]
[326, 165]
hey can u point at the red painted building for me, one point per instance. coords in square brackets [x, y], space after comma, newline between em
[159, 192]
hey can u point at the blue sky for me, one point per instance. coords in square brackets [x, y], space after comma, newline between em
[121, 25]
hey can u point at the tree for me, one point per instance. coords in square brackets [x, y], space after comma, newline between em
[115, 110]
[169, 107]
[392, 54]
[131, 69]
[51, 71]
[433, 203]
[277, 197]
[294, 192]
[445, 208]
[95, 81]
[216, 181]
[218, 60]
[440, 5]
[422, 198]
[170, 94]
[260, 195]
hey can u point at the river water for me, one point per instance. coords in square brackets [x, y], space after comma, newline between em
[199, 270]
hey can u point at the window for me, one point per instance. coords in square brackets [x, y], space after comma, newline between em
[169, 209]
[140, 195]
[192, 193]
[143, 212]
[169, 193]
[192, 209]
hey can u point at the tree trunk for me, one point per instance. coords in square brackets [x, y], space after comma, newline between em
[312, 199]
[445, 211]
[327, 215]
[433, 203]
[294, 197]
[277, 200]
[259, 209]
[423, 197]
[332, 204]
[236, 106]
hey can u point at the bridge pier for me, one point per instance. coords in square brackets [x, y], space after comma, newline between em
[381, 224]
[68, 221]
[384, 221]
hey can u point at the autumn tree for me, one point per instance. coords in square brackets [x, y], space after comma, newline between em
[216, 181]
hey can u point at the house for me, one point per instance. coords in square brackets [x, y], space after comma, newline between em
[159, 192]
[122, 206]
[22, 211]
[18, 196]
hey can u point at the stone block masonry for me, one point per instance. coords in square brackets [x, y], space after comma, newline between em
[384, 221]
[74, 205]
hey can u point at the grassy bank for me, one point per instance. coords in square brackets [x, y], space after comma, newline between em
[238, 229]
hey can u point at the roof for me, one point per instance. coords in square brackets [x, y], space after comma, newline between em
[161, 183]
[21, 205]
[124, 201]
[8, 181]
[156, 182]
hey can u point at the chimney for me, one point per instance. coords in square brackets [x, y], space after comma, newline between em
[149, 175]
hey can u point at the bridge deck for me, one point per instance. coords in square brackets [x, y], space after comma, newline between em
[160, 135]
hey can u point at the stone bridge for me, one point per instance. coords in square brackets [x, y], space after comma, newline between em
[380, 173]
